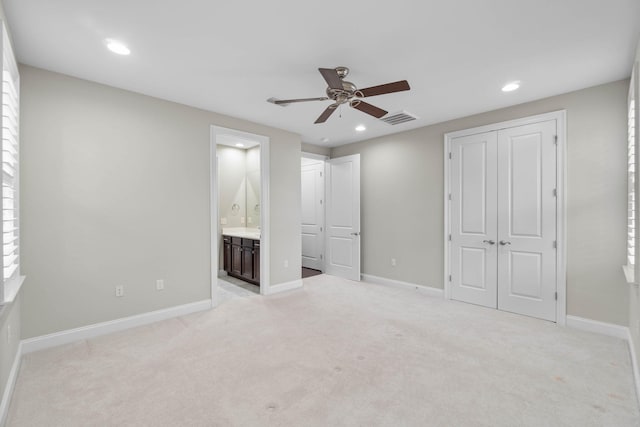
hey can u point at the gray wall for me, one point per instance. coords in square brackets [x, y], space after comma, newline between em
[9, 318]
[315, 149]
[115, 191]
[402, 198]
[9, 340]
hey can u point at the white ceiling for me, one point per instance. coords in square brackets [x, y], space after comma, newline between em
[230, 56]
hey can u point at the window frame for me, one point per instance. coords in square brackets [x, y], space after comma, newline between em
[10, 287]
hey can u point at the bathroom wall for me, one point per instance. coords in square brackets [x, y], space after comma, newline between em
[252, 184]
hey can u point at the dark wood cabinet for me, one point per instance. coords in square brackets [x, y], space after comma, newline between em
[242, 258]
[227, 253]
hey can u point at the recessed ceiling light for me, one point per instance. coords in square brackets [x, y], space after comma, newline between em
[361, 128]
[239, 144]
[117, 47]
[510, 87]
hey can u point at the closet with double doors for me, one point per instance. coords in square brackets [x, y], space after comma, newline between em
[502, 217]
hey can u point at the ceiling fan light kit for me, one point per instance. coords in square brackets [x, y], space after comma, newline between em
[345, 92]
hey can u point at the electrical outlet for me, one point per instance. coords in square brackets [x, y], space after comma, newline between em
[159, 284]
[223, 221]
[286, 263]
[119, 291]
[241, 220]
[393, 262]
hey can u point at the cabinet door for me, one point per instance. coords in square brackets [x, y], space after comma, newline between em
[256, 262]
[236, 259]
[227, 255]
[247, 262]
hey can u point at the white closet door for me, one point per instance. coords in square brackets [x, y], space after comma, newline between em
[343, 217]
[527, 220]
[312, 185]
[474, 219]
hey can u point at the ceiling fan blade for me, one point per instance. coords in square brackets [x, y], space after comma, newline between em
[386, 88]
[331, 76]
[326, 113]
[368, 108]
[285, 102]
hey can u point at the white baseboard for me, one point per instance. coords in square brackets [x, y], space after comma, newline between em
[428, 290]
[11, 382]
[65, 337]
[603, 328]
[287, 286]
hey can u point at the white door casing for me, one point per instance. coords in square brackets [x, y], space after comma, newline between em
[343, 217]
[473, 219]
[312, 215]
[527, 220]
[530, 271]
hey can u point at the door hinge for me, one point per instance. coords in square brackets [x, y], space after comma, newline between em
[555, 139]
[321, 256]
[449, 237]
[556, 296]
[450, 157]
[449, 277]
[320, 228]
[320, 201]
[320, 173]
[449, 196]
[555, 192]
[555, 244]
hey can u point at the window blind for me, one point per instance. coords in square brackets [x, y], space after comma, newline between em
[10, 156]
[631, 179]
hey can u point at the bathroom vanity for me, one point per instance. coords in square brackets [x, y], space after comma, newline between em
[241, 248]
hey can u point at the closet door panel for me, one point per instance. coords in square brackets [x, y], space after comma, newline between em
[474, 219]
[527, 220]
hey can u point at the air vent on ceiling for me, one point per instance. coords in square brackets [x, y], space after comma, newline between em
[399, 117]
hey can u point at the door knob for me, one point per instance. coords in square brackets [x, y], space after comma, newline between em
[357, 233]
[504, 242]
[491, 242]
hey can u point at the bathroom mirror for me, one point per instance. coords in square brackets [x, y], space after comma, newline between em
[239, 186]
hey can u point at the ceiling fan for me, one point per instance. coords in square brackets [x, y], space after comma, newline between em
[344, 92]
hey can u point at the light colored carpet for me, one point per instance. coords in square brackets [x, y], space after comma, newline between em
[336, 353]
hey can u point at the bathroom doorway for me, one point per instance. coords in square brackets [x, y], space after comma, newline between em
[239, 203]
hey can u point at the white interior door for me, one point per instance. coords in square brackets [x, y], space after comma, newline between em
[312, 181]
[503, 219]
[527, 220]
[474, 219]
[343, 217]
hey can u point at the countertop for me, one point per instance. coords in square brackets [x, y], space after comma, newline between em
[247, 233]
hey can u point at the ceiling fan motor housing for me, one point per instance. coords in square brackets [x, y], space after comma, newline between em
[342, 96]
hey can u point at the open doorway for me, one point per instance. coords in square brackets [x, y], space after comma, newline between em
[312, 184]
[239, 206]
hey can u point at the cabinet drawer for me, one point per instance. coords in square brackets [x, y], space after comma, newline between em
[236, 240]
[226, 239]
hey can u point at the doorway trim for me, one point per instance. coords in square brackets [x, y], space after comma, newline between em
[561, 212]
[264, 207]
